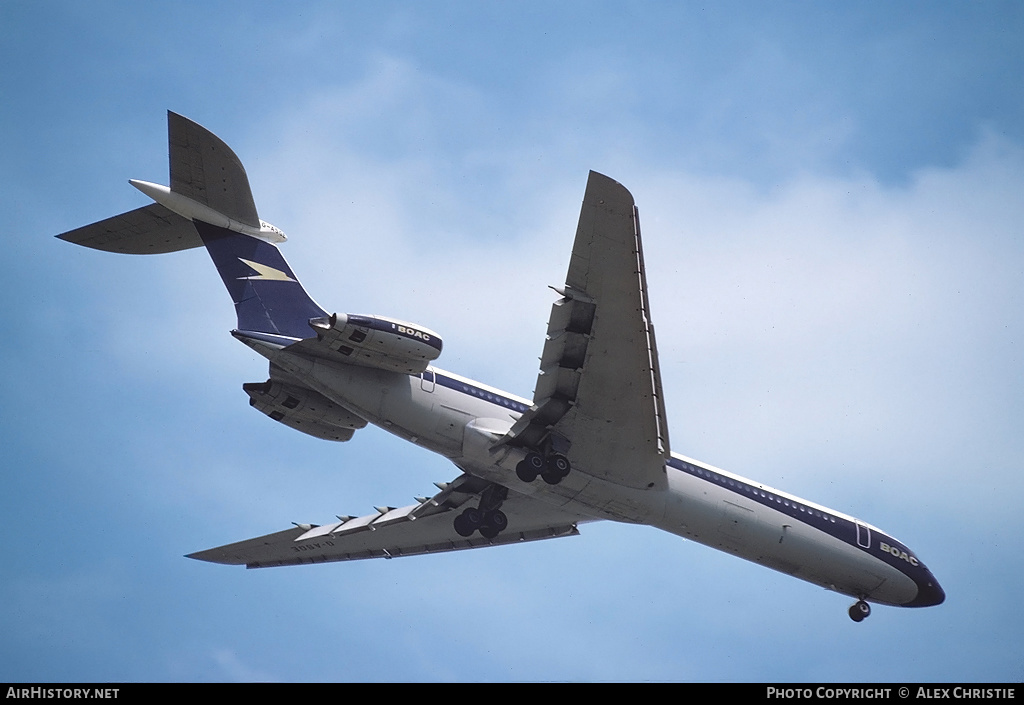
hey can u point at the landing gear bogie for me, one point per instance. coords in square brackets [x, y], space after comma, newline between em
[552, 469]
[488, 523]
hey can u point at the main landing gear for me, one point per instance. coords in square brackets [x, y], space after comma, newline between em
[488, 518]
[488, 523]
[552, 468]
[859, 611]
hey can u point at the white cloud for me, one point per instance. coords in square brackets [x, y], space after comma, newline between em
[827, 319]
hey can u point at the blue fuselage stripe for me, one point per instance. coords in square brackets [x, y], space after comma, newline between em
[481, 393]
[831, 524]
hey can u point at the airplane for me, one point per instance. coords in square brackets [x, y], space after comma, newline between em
[592, 444]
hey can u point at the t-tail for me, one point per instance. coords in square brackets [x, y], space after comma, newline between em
[209, 203]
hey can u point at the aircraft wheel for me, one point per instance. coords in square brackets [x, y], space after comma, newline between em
[531, 466]
[497, 520]
[525, 472]
[489, 532]
[859, 611]
[469, 521]
[461, 528]
[473, 517]
[559, 464]
[552, 477]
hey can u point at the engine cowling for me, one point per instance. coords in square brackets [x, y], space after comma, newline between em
[303, 409]
[376, 341]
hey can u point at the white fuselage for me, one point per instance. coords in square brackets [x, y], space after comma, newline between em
[463, 420]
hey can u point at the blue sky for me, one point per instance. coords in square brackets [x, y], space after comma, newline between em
[832, 216]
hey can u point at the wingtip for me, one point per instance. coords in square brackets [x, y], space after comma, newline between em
[212, 555]
[604, 188]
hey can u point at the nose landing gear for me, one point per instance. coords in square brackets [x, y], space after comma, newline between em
[859, 611]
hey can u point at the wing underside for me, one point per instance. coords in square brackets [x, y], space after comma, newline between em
[425, 527]
[598, 397]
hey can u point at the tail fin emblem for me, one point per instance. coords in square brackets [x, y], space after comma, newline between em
[265, 273]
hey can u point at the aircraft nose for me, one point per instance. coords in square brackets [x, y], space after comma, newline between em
[929, 592]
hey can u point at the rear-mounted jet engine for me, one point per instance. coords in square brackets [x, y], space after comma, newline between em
[375, 341]
[303, 409]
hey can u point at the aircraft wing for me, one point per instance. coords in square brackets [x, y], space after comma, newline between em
[425, 527]
[598, 398]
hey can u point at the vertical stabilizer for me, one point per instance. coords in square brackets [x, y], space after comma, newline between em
[207, 171]
[268, 297]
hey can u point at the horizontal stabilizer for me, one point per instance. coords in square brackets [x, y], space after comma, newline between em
[152, 230]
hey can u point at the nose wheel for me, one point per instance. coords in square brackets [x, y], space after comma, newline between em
[859, 611]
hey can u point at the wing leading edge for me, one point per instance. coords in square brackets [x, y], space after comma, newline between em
[599, 388]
